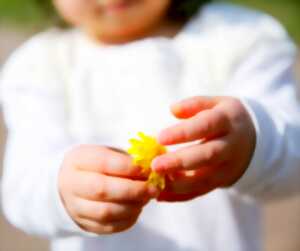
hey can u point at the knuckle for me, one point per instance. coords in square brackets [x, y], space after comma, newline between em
[139, 193]
[205, 123]
[208, 126]
[210, 154]
[98, 188]
[100, 191]
[183, 133]
[104, 214]
[74, 156]
[225, 151]
[223, 118]
[176, 161]
[74, 211]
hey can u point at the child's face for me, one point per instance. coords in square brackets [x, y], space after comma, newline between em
[114, 21]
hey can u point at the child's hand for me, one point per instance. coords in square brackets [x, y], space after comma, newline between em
[101, 190]
[228, 141]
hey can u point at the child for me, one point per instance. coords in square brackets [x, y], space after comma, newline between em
[73, 98]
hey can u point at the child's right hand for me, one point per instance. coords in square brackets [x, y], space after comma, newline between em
[101, 189]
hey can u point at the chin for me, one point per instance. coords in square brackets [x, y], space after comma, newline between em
[122, 35]
[122, 31]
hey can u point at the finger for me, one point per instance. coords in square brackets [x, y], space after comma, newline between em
[103, 160]
[174, 197]
[105, 212]
[101, 228]
[186, 189]
[191, 181]
[225, 177]
[98, 187]
[205, 125]
[211, 153]
[191, 106]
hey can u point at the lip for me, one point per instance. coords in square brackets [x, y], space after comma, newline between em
[117, 6]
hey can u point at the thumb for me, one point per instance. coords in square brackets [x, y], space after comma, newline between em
[191, 106]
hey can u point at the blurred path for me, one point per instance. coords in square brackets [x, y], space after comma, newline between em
[12, 239]
[282, 227]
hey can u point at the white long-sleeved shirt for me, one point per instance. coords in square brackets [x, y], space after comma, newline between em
[60, 89]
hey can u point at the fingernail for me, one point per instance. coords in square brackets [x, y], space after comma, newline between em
[157, 164]
[164, 164]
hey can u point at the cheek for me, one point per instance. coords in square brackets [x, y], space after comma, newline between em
[73, 11]
[156, 7]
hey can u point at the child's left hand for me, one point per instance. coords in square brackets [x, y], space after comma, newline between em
[226, 141]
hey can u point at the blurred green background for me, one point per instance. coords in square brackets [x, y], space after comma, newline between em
[27, 14]
[286, 11]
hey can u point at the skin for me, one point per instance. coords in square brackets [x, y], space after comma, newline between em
[101, 190]
[224, 140]
[118, 21]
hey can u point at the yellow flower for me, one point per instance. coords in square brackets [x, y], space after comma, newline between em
[143, 151]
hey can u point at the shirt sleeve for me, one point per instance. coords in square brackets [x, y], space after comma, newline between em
[264, 81]
[35, 113]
